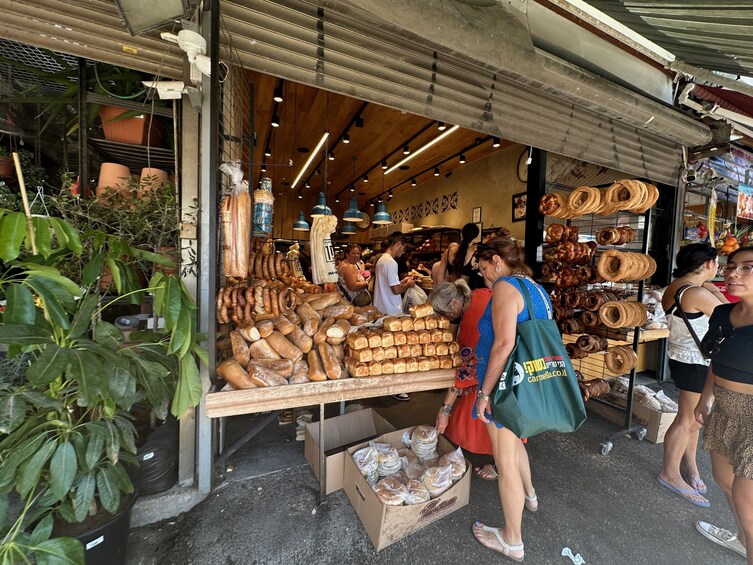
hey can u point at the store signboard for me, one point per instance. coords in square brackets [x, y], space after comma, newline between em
[712, 215]
[745, 202]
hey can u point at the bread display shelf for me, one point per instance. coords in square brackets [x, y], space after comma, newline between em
[236, 402]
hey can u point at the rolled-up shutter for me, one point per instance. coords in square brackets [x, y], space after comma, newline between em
[318, 44]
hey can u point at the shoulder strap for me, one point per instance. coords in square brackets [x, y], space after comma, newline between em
[678, 307]
[526, 297]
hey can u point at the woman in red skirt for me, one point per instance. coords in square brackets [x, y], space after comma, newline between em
[456, 301]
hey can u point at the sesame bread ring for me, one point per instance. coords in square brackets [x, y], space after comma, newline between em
[584, 200]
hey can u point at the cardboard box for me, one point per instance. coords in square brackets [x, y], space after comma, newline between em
[657, 423]
[340, 433]
[387, 524]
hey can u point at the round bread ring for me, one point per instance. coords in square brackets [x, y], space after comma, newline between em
[563, 210]
[648, 266]
[626, 314]
[652, 199]
[554, 233]
[616, 360]
[652, 269]
[612, 196]
[609, 264]
[610, 315]
[645, 195]
[590, 318]
[607, 236]
[638, 194]
[583, 200]
[555, 295]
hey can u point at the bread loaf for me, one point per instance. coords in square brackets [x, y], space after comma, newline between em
[390, 352]
[283, 367]
[261, 349]
[423, 364]
[377, 354]
[331, 364]
[340, 329]
[431, 322]
[261, 376]
[249, 333]
[375, 338]
[388, 367]
[240, 348]
[447, 336]
[357, 369]
[314, 294]
[433, 361]
[375, 368]
[412, 338]
[442, 349]
[437, 335]
[358, 319]
[234, 375]
[411, 365]
[416, 350]
[362, 355]
[445, 362]
[339, 311]
[453, 347]
[300, 372]
[400, 338]
[406, 324]
[284, 346]
[443, 322]
[335, 340]
[399, 366]
[419, 324]
[388, 339]
[456, 360]
[324, 301]
[321, 334]
[300, 339]
[310, 320]
[339, 350]
[403, 351]
[265, 327]
[425, 336]
[316, 369]
[357, 340]
[430, 349]
[421, 310]
[392, 324]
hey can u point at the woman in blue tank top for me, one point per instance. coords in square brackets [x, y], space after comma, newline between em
[503, 267]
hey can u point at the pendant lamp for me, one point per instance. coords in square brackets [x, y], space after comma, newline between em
[353, 214]
[301, 224]
[321, 208]
[348, 229]
[382, 216]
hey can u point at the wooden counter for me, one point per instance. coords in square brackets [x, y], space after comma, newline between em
[235, 402]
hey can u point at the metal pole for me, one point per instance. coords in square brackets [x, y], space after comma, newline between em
[322, 459]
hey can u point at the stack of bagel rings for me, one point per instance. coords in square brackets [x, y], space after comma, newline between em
[616, 314]
[593, 387]
[617, 266]
[620, 360]
[630, 195]
[619, 235]
[555, 204]
[592, 343]
[560, 232]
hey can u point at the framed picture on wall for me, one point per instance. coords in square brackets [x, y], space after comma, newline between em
[480, 226]
[476, 215]
[519, 202]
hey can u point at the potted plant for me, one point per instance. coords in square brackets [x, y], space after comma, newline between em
[67, 442]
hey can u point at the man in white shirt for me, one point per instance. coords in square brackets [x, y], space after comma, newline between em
[387, 286]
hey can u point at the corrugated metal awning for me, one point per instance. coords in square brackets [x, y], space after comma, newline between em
[710, 34]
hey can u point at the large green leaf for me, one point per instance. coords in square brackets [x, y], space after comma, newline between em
[12, 412]
[96, 444]
[112, 442]
[60, 286]
[30, 471]
[122, 480]
[63, 469]
[72, 239]
[17, 457]
[171, 303]
[122, 384]
[42, 530]
[53, 305]
[12, 234]
[87, 369]
[42, 236]
[24, 334]
[114, 265]
[109, 495]
[60, 551]
[3, 511]
[83, 496]
[82, 319]
[180, 339]
[152, 377]
[93, 269]
[40, 400]
[48, 366]
[108, 335]
[188, 391]
[20, 307]
[157, 283]
[127, 433]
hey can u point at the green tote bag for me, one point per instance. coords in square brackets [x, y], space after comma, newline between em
[538, 390]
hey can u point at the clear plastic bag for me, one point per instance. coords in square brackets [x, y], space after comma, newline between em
[391, 491]
[388, 461]
[366, 460]
[437, 480]
[456, 460]
[414, 295]
[417, 493]
[412, 466]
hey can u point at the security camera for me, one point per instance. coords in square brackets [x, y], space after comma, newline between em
[689, 175]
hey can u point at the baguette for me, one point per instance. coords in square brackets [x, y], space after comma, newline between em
[234, 375]
[283, 325]
[284, 367]
[321, 334]
[300, 339]
[329, 361]
[274, 302]
[265, 327]
[316, 369]
[310, 320]
[300, 373]
[325, 300]
[240, 348]
[284, 346]
[339, 311]
[262, 376]
[261, 349]
[341, 328]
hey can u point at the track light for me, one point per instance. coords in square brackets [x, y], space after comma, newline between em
[406, 150]
[300, 195]
[462, 158]
[311, 158]
[331, 156]
[346, 138]
[263, 167]
[413, 182]
[267, 152]
[371, 203]
[352, 188]
[436, 171]
[441, 126]
[277, 97]
[307, 185]
[384, 164]
[365, 178]
[337, 199]
[389, 196]
[358, 122]
[495, 142]
[421, 149]
[275, 121]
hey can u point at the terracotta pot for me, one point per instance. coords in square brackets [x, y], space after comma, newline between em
[151, 179]
[138, 130]
[6, 167]
[115, 177]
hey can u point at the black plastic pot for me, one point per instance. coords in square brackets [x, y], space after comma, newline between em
[108, 543]
[158, 460]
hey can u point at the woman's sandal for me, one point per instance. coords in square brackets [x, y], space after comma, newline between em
[506, 547]
[696, 484]
[487, 472]
[532, 503]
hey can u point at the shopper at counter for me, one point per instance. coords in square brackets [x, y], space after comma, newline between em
[696, 265]
[455, 300]
[729, 388]
[502, 264]
[350, 278]
[463, 258]
[387, 286]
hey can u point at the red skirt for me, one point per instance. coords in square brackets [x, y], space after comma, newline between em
[467, 432]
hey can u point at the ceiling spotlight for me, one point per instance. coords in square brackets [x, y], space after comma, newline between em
[384, 164]
[365, 178]
[337, 199]
[462, 158]
[307, 185]
[346, 138]
[331, 156]
[441, 126]
[406, 150]
[300, 195]
[389, 196]
[495, 142]
[352, 188]
[317, 172]
[413, 182]
[267, 152]
[436, 171]
[277, 97]
[371, 203]
[263, 167]
[275, 121]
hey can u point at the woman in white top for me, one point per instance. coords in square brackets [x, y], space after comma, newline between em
[696, 265]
